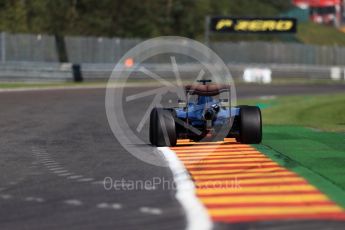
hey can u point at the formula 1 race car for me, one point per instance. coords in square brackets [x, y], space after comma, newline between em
[204, 118]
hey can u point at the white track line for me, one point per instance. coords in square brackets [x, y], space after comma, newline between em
[35, 199]
[109, 206]
[74, 202]
[148, 210]
[196, 213]
[6, 196]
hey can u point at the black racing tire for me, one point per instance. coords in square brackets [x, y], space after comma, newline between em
[152, 130]
[162, 128]
[250, 125]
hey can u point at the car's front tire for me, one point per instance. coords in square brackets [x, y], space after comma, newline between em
[162, 128]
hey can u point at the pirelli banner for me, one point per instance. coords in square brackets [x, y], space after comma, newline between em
[253, 25]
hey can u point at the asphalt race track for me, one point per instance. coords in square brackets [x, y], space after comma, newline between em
[57, 148]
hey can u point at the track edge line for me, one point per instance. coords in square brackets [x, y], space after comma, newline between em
[196, 214]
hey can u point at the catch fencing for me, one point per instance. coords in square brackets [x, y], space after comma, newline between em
[41, 48]
[45, 71]
[29, 56]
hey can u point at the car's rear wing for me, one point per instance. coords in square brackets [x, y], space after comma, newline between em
[206, 90]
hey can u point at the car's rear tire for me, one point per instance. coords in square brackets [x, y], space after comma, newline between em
[162, 128]
[250, 125]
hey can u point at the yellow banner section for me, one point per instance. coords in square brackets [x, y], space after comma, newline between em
[253, 25]
[317, 209]
[264, 199]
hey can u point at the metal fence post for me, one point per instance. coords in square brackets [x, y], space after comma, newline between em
[3, 46]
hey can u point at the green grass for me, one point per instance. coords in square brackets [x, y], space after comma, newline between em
[322, 112]
[317, 156]
[312, 33]
[14, 85]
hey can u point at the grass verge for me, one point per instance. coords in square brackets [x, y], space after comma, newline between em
[315, 153]
[316, 34]
[322, 112]
[317, 156]
[15, 85]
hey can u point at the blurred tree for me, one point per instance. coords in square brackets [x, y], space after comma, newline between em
[13, 16]
[56, 17]
[130, 18]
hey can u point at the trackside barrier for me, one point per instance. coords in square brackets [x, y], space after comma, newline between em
[35, 71]
[38, 71]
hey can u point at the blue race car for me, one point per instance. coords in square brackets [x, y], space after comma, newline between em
[207, 118]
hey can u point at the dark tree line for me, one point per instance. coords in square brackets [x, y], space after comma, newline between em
[124, 18]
